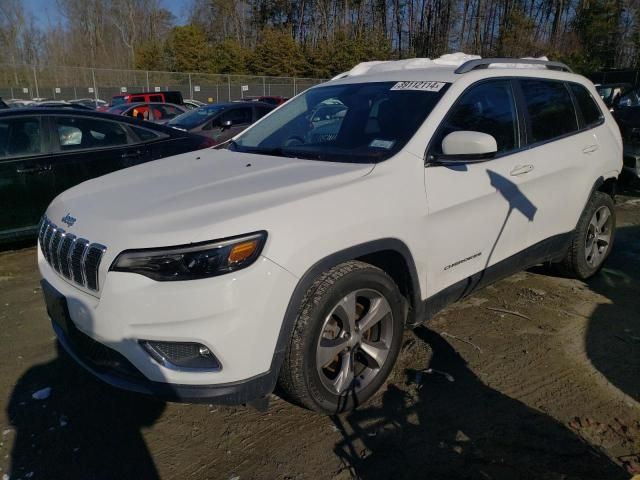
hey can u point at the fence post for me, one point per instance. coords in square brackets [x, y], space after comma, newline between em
[264, 86]
[95, 89]
[295, 92]
[190, 88]
[229, 84]
[148, 87]
[35, 79]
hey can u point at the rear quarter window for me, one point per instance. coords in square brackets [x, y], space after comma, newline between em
[591, 114]
[550, 108]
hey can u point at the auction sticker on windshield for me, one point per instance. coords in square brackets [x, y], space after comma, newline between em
[421, 86]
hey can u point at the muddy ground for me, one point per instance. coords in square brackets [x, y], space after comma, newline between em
[548, 391]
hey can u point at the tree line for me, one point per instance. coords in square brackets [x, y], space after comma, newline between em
[318, 38]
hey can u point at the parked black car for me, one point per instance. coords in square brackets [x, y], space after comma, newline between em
[221, 121]
[628, 119]
[612, 92]
[61, 104]
[44, 151]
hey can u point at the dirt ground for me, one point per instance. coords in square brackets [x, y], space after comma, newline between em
[536, 377]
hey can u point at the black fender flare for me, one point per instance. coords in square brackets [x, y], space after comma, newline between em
[336, 258]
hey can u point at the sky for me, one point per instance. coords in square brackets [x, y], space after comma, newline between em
[46, 12]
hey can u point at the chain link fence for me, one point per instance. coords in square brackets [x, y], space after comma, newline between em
[68, 83]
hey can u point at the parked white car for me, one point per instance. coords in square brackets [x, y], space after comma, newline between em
[296, 259]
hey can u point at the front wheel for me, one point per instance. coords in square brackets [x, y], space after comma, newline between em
[346, 339]
[593, 238]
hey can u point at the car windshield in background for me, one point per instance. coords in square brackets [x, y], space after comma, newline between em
[193, 118]
[117, 101]
[365, 122]
[119, 109]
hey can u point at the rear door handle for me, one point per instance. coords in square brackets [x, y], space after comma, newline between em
[521, 170]
[590, 149]
[31, 170]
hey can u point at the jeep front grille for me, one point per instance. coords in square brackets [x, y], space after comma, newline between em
[74, 258]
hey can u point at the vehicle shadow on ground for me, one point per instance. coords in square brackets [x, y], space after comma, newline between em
[613, 334]
[84, 430]
[459, 428]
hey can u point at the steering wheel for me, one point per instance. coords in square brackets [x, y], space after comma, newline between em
[293, 141]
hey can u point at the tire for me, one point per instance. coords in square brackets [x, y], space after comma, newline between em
[591, 243]
[365, 342]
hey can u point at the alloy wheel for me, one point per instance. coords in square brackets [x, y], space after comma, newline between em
[355, 341]
[598, 240]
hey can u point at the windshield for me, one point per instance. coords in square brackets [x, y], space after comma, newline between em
[196, 117]
[118, 100]
[119, 109]
[365, 122]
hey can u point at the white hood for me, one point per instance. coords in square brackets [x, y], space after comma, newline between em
[193, 197]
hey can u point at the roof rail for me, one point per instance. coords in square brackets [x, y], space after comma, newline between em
[486, 62]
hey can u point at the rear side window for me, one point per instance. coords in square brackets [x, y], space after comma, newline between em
[239, 116]
[590, 112]
[261, 112]
[81, 133]
[144, 135]
[156, 98]
[551, 112]
[165, 112]
[20, 137]
[488, 108]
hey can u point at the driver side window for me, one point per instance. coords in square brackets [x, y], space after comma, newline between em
[487, 108]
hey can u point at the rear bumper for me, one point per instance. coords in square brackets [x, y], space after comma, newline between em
[114, 369]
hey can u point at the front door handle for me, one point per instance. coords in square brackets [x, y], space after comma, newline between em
[590, 149]
[521, 170]
[32, 170]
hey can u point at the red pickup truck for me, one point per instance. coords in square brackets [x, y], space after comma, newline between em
[145, 97]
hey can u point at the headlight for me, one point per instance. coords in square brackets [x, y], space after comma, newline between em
[190, 262]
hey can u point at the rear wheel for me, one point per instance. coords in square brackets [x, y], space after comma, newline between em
[346, 339]
[593, 238]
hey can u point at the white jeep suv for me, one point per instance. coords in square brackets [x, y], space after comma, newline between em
[295, 256]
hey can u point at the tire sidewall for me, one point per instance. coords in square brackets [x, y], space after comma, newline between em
[370, 278]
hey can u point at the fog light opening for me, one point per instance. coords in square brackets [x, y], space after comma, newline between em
[182, 355]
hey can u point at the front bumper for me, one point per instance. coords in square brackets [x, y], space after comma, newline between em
[237, 316]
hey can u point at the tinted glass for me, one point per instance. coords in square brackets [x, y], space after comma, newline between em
[197, 117]
[76, 133]
[140, 112]
[143, 134]
[590, 112]
[156, 98]
[20, 137]
[631, 99]
[165, 112]
[551, 111]
[262, 111]
[487, 108]
[239, 116]
[356, 122]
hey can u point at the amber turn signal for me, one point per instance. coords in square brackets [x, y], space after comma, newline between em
[242, 251]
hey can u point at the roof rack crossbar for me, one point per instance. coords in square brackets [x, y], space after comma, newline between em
[486, 62]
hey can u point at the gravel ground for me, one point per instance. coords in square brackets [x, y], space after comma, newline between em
[536, 377]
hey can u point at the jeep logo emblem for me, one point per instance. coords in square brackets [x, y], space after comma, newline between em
[69, 220]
